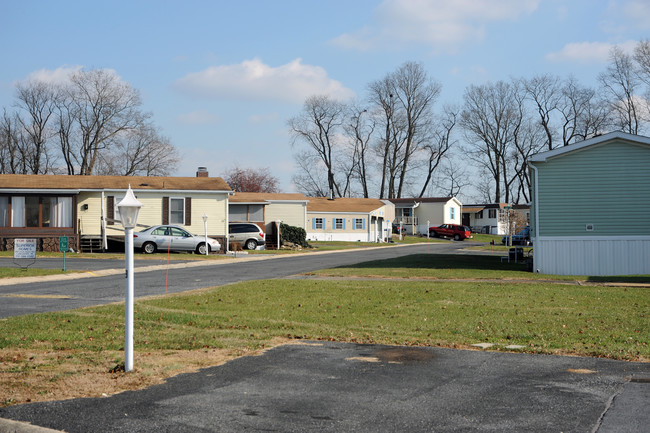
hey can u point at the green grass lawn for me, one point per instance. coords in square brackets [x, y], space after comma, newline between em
[432, 300]
[29, 272]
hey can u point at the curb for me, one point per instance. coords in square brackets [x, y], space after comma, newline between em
[10, 426]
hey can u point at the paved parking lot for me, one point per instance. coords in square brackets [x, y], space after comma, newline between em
[325, 386]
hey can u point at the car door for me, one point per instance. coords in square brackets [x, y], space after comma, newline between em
[181, 239]
[235, 232]
[161, 237]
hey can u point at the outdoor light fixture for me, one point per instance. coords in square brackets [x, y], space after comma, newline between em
[205, 229]
[128, 207]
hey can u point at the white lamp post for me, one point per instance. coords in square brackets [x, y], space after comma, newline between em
[279, 222]
[205, 229]
[129, 208]
[428, 229]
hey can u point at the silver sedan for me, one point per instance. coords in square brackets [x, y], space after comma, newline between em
[172, 238]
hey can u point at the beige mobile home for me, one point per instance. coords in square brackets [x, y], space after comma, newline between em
[349, 219]
[83, 208]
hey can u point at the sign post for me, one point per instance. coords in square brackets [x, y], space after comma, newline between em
[63, 246]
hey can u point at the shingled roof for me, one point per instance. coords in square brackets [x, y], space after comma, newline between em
[264, 197]
[363, 205]
[79, 183]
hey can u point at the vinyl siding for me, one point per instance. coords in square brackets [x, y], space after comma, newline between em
[292, 214]
[605, 185]
[214, 205]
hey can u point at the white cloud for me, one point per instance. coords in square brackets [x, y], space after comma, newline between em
[59, 75]
[199, 117]
[254, 80]
[588, 52]
[442, 24]
[263, 118]
[637, 12]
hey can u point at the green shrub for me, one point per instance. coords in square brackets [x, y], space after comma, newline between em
[296, 235]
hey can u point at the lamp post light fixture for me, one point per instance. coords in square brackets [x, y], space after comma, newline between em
[205, 230]
[128, 207]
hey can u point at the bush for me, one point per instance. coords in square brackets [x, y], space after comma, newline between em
[294, 235]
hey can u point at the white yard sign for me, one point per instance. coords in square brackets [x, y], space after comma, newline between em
[25, 249]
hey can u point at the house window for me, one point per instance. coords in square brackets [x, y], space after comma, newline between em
[492, 213]
[358, 224]
[452, 213]
[318, 223]
[338, 223]
[36, 211]
[176, 210]
[479, 215]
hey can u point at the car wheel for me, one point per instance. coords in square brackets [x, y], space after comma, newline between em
[200, 248]
[434, 234]
[456, 237]
[149, 247]
[250, 244]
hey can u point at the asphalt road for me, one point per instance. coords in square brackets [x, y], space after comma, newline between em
[104, 281]
[338, 387]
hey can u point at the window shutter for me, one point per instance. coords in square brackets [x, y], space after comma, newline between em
[333, 223]
[343, 223]
[313, 223]
[110, 210]
[363, 224]
[165, 210]
[188, 211]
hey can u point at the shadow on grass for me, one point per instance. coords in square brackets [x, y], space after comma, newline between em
[482, 262]
[638, 279]
[444, 261]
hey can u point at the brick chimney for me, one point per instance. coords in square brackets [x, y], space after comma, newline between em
[202, 172]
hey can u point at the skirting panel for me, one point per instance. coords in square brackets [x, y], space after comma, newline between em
[592, 256]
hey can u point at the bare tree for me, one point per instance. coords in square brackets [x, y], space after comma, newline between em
[318, 125]
[11, 161]
[489, 119]
[311, 175]
[620, 82]
[545, 93]
[37, 100]
[102, 107]
[251, 180]
[406, 98]
[138, 152]
[360, 130]
[441, 143]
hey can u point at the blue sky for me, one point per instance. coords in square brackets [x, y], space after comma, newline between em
[221, 78]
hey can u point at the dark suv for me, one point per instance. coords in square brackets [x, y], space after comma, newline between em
[248, 234]
[455, 231]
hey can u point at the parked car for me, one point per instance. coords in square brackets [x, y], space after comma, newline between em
[455, 231]
[397, 229]
[172, 238]
[248, 234]
[521, 238]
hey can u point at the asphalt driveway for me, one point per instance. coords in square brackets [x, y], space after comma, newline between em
[325, 386]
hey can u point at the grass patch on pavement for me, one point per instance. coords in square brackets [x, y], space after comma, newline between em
[29, 272]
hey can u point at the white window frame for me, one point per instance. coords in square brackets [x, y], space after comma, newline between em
[452, 213]
[358, 223]
[338, 223]
[318, 223]
[173, 213]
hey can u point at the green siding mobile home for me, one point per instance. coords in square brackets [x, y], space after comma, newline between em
[590, 210]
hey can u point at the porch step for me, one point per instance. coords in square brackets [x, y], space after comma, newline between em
[91, 245]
